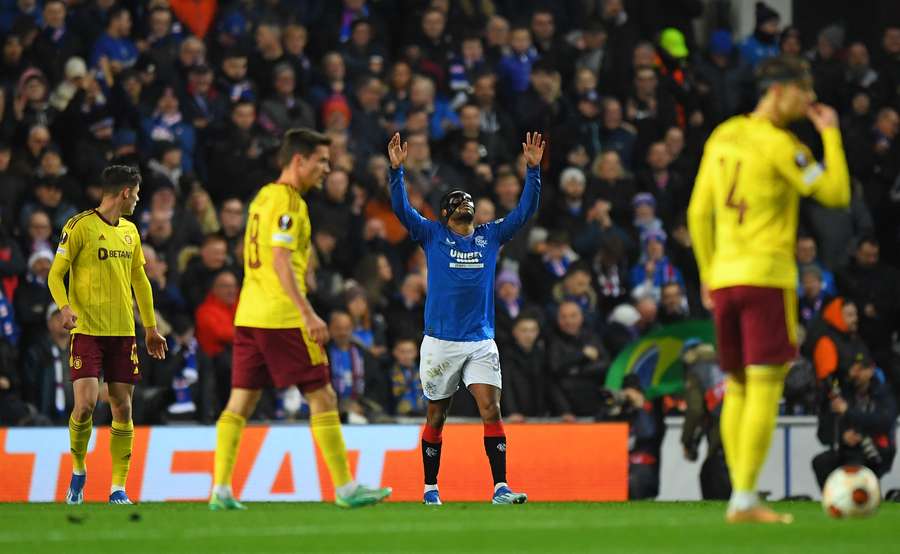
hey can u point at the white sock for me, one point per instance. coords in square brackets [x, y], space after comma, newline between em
[77, 472]
[430, 488]
[223, 491]
[116, 489]
[742, 500]
[498, 485]
[346, 490]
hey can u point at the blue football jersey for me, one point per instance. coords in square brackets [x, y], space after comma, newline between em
[461, 269]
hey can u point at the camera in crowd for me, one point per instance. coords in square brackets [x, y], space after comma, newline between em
[623, 403]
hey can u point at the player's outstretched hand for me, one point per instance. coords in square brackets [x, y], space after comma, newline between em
[533, 148]
[397, 151]
[822, 116]
[156, 343]
[69, 318]
[318, 330]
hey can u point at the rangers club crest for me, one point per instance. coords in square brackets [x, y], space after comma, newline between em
[285, 222]
[480, 241]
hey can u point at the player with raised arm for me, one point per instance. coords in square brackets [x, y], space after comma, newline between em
[279, 339]
[459, 310]
[101, 252]
[743, 223]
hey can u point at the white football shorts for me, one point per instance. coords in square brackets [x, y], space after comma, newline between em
[443, 364]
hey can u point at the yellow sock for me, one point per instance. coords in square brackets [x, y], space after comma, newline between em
[121, 441]
[730, 422]
[763, 393]
[228, 438]
[79, 435]
[326, 429]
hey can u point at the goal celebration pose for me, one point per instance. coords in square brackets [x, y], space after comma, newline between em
[101, 252]
[279, 339]
[743, 223]
[459, 310]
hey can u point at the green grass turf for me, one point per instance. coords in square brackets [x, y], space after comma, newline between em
[279, 528]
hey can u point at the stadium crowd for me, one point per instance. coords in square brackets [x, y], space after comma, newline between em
[625, 93]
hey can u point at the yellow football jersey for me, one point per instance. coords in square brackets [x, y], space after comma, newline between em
[743, 211]
[278, 216]
[102, 257]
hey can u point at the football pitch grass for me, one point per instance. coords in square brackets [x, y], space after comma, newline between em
[281, 528]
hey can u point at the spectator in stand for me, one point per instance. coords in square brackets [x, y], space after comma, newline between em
[464, 67]
[369, 328]
[673, 305]
[832, 341]
[435, 44]
[202, 104]
[807, 257]
[215, 316]
[404, 313]
[576, 287]
[610, 266]
[508, 305]
[283, 109]
[363, 53]
[873, 286]
[611, 184]
[269, 53]
[240, 150]
[167, 296]
[33, 297]
[38, 234]
[577, 363]
[167, 124]
[233, 219]
[525, 380]
[368, 125]
[889, 70]
[650, 108]
[545, 265]
[857, 422]
[202, 269]
[233, 82]
[645, 219]
[355, 375]
[423, 96]
[721, 77]
[48, 198]
[12, 189]
[495, 118]
[763, 43]
[45, 383]
[406, 386]
[813, 297]
[667, 186]
[114, 51]
[654, 268]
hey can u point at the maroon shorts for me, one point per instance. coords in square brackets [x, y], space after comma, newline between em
[755, 326]
[115, 358]
[277, 357]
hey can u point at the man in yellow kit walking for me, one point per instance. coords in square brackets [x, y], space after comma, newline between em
[101, 252]
[279, 339]
[743, 223]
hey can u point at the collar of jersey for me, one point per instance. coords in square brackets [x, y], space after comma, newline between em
[454, 233]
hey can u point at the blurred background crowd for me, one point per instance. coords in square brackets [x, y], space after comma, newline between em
[198, 95]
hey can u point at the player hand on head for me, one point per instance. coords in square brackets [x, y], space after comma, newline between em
[396, 151]
[317, 329]
[69, 318]
[822, 116]
[533, 149]
[156, 343]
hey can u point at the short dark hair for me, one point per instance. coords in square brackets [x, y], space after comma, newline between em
[300, 141]
[116, 177]
[868, 238]
[782, 69]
